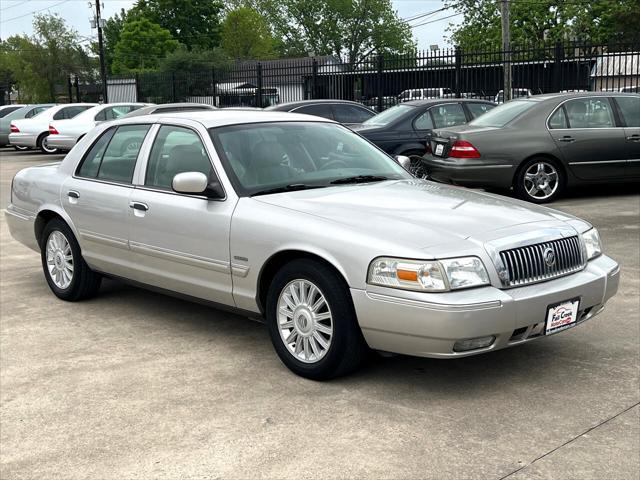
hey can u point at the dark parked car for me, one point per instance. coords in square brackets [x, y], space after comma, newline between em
[170, 108]
[343, 111]
[540, 145]
[405, 129]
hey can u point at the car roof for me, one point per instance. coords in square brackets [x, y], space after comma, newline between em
[151, 108]
[300, 103]
[552, 96]
[223, 117]
[437, 101]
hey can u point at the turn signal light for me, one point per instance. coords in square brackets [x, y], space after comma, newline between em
[52, 130]
[14, 129]
[463, 149]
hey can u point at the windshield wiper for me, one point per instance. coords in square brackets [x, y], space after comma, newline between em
[287, 188]
[359, 179]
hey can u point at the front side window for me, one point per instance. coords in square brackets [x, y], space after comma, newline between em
[589, 113]
[264, 156]
[175, 150]
[448, 115]
[113, 157]
[351, 114]
[630, 108]
[478, 109]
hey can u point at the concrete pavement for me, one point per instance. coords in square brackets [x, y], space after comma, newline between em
[134, 384]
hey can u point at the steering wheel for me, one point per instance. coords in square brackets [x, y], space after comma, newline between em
[334, 164]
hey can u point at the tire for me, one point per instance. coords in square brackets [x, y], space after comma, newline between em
[20, 148]
[536, 173]
[42, 145]
[344, 348]
[417, 168]
[84, 282]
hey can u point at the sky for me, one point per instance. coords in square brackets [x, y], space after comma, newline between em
[16, 17]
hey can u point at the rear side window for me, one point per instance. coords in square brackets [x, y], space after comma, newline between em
[448, 115]
[351, 114]
[630, 108]
[113, 157]
[175, 150]
[589, 113]
[113, 113]
[558, 119]
[69, 112]
[423, 122]
[478, 109]
[319, 110]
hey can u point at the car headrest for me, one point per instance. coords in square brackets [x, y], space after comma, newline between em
[266, 154]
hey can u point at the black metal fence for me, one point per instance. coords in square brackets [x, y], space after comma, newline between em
[384, 81]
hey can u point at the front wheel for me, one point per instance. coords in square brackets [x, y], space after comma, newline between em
[539, 180]
[312, 322]
[66, 272]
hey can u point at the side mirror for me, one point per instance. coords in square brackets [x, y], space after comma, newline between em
[197, 183]
[405, 162]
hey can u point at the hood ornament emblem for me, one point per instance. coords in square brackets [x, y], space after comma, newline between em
[549, 256]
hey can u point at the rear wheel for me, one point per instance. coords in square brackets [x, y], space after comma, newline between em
[539, 180]
[20, 148]
[416, 168]
[42, 144]
[66, 272]
[312, 322]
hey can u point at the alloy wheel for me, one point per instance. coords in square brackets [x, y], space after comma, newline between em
[59, 260]
[541, 180]
[304, 321]
[46, 147]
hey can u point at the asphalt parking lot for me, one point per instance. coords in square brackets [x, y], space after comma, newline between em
[134, 384]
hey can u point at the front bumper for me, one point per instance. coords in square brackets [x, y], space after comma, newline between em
[469, 172]
[61, 142]
[428, 325]
[23, 139]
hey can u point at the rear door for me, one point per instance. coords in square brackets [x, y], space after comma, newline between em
[587, 133]
[629, 107]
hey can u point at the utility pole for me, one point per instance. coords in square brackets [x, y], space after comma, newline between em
[506, 48]
[99, 23]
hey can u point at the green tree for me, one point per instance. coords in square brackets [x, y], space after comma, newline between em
[354, 28]
[246, 35]
[196, 60]
[111, 36]
[194, 23]
[40, 65]
[142, 46]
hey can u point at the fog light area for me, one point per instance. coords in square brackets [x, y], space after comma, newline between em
[473, 344]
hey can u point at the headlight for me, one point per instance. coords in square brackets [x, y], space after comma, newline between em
[592, 244]
[428, 276]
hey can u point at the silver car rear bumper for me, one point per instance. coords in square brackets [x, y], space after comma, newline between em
[61, 142]
[21, 225]
[428, 325]
[23, 139]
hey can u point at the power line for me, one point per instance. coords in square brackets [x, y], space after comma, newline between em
[436, 20]
[35, 11]
[15, 5]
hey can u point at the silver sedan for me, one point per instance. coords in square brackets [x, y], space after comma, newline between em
[305, 224]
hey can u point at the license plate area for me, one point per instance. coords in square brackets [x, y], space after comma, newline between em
[561, 316]
[439, 151]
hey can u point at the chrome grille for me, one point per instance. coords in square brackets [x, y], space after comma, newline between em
[527, 264]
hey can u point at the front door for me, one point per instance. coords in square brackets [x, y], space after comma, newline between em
[589, 139]
[180, 242]
[97, 196]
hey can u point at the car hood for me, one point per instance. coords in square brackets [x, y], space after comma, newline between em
[416, 213]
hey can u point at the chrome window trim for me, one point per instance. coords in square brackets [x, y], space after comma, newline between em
[142, 164]
[546, 123]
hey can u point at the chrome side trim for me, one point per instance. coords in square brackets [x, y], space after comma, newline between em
[435, 306]
[239, 270]
[104, 239]
[597, 162]
[180, 257]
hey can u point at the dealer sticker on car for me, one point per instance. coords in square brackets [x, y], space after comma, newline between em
[562, 316]
[439, 149]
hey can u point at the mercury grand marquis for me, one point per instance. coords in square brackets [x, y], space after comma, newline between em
[304, 223]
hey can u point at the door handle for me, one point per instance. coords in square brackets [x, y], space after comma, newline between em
[567, 139]
[143, 207]
[634, 138]
[73, 194]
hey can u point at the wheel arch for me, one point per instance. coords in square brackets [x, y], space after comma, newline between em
[547, 156]
[408, 147]
[45, 215]
[273, 264]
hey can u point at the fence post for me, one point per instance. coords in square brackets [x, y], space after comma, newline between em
[76, 84]
[314, 78]
[458, 74]
[173, 87]
[214, 87]
[69, 85]
[259, 89]
[380, 105]
[137, 86]
[557, 67]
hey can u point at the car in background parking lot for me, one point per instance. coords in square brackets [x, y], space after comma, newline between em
[7, 109]
[406, 128]
[26, 111]
[540, 145]
[170, 108]
[425, 94]
[515, 93]
[64, 134]
[31, 132]
[343, 111]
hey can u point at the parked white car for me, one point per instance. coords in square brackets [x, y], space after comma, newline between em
[31, 132]
[425, 93]
[64, 134]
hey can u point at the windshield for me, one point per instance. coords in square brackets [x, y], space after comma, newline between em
[389, 115]
[502, 114]
[264, 156]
